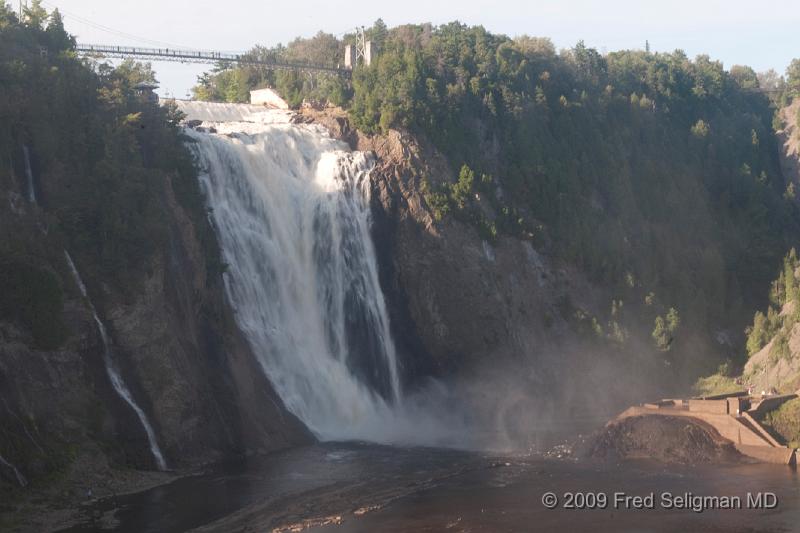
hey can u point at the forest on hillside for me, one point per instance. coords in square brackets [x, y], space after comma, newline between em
[657, 174]
[103, 157]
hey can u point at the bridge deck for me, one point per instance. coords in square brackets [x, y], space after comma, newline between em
[200, 56]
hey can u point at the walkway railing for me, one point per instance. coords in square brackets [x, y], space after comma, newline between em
[199, 56]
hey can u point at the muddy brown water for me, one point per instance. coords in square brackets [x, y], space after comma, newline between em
[359, 487]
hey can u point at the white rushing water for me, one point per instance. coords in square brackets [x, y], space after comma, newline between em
[222, 112]
[29, 175]
[291, 206]
[113, 373]
[20, 478]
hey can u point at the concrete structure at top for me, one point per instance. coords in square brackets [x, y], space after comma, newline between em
[363, 50]
[369, 50]
[349, 56]
[352, 55]
[269, 98]
[735, 417]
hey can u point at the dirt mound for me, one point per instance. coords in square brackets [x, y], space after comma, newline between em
[665, 438]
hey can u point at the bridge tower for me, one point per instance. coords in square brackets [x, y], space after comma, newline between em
[362, 52]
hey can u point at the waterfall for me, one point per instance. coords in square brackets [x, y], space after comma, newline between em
[29, 174]
[113, 373]
[291, 207]
[20, 478]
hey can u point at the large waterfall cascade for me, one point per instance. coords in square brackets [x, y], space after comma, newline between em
[114, 375]
[291, 207]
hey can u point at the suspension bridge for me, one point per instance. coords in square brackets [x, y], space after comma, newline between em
[203, 56]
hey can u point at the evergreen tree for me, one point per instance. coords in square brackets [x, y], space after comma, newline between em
[35, 16]
[57, 37]
[757, 333]
[673, 320]
[661, 335]
[7, 16]
[793, 77]
[378, 33]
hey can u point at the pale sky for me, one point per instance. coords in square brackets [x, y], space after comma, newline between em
[763, 34]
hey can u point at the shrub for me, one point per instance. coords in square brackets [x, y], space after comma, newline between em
[32, 297]
[785, 421]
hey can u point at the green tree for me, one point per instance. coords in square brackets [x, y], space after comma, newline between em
[665, 328]
[661, 335]
[462, 190]
[757, 333]
[771, 80]
[35, 15]
[134, 72]
[673, 320]
[57, 37]
[793, 77]
[7, 16]
[205, 89]
[700, 129]
[378, 33]
[744, 76]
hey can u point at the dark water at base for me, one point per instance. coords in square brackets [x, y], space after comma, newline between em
[354, 488]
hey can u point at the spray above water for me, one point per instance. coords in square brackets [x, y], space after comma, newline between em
[113, 373]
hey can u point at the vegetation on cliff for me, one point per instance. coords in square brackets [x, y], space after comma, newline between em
[656, 174]
[631, 163]
[773, 341]
[102, 155]
[115, 186]
[225, 84]
[785, 421]
[784, 294]
[772, 359]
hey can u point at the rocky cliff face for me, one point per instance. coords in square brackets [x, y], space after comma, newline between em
[777, 364]
[502, 320]
[789, 138]
[63, 426]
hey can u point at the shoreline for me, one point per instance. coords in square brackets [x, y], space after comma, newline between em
[58, 506]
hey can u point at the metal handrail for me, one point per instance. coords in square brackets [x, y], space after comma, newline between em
[200, 56]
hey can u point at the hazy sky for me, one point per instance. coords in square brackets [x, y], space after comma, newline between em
[762, 34]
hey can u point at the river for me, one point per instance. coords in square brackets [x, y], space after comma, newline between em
[352, 487]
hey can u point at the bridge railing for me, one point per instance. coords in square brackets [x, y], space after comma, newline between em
[200, 56]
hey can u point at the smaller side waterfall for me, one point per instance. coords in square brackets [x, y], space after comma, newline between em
[29, 174]
[113, 373]
[20, 478]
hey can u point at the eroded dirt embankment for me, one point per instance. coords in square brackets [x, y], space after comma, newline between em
[669, 439]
